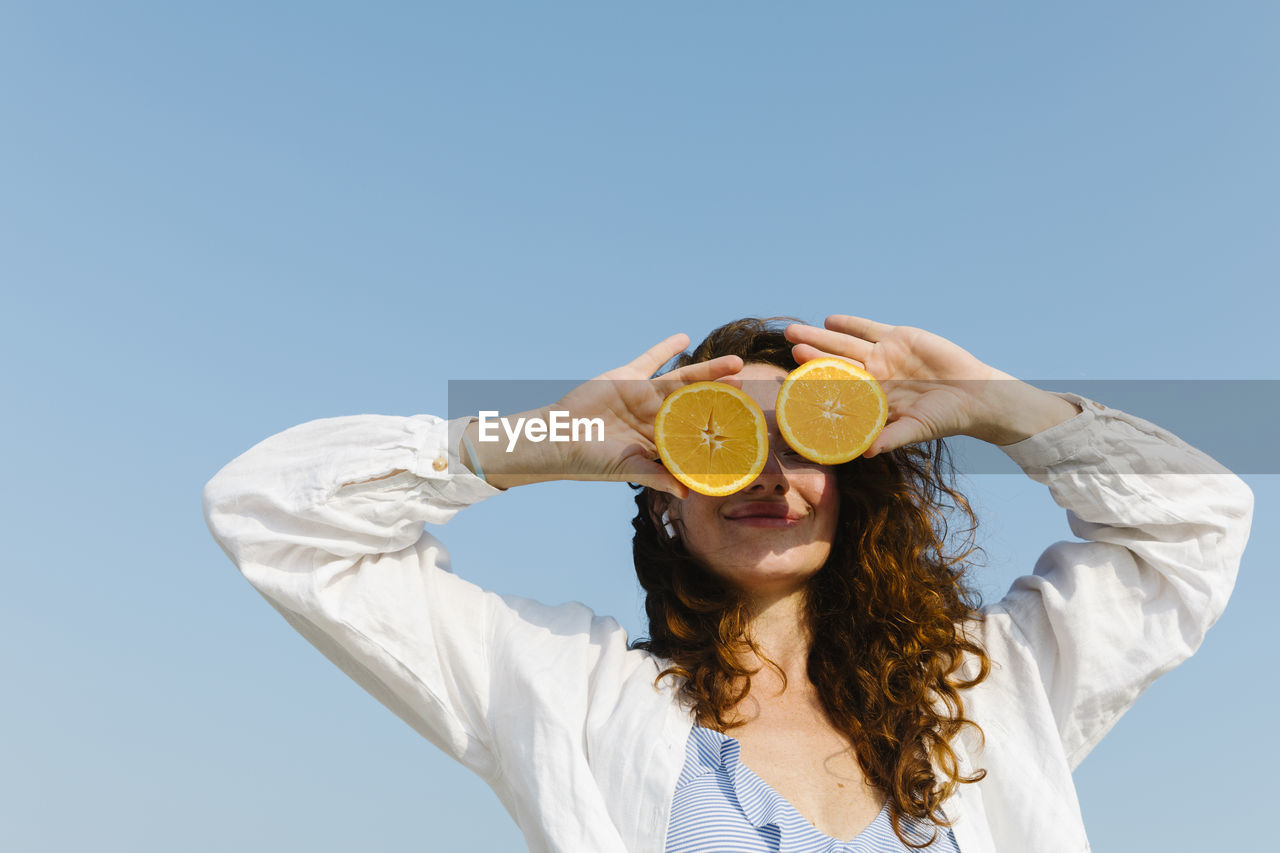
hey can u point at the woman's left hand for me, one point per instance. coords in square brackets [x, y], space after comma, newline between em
[934, 387]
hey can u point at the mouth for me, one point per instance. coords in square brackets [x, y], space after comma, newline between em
[763, 514]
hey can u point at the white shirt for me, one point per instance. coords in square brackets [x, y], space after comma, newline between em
[550, 707]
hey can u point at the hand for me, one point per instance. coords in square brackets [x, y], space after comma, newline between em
[626, 399]
[934, 387]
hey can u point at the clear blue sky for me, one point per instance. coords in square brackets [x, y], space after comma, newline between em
[219, 222]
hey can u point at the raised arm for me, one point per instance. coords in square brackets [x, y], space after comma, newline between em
[326, 520]
[1164, 526]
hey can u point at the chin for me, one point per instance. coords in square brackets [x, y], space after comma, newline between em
[769, 579]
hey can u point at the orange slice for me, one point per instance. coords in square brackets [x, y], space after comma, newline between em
[830, 411]
[712, 437]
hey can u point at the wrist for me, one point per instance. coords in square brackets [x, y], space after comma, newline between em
[1013, 411]
[503, 451]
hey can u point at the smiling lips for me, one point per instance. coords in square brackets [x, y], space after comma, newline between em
[763, 514]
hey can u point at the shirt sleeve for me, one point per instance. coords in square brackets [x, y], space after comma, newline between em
[314, 522]
[1163, 527]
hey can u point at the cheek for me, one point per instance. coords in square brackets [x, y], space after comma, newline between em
[827, 502]
[697, 518]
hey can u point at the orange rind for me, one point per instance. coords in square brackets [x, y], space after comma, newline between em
[830, 410]
[712, 437]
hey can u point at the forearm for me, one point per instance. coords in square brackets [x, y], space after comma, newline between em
[1161, 529]
[312, 488]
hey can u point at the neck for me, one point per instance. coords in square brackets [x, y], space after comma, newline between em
[780, 629]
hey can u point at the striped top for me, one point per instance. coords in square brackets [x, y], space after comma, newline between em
[720, 806]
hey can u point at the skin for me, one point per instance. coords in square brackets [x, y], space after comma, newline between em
[935, 389]
[741, 536]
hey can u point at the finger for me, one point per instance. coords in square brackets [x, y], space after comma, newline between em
[900, 433]
[653, 358]
[833, 343]
[862, 327]
[804, 352]
[646, 472]
[704, 371]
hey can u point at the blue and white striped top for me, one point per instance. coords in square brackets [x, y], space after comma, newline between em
[720, 806]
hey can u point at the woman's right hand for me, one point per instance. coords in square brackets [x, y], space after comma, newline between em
[626, 400]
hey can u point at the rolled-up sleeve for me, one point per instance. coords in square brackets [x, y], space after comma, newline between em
[1162, 529]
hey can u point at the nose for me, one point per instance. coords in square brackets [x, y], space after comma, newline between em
[773, 479]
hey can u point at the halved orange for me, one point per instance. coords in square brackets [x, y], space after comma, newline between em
[830, 410]
[712, 437]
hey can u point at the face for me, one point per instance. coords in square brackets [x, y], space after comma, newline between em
[772, 536]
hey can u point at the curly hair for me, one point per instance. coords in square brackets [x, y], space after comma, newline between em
[886, 612]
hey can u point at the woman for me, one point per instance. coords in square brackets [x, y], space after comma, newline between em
[815, 670]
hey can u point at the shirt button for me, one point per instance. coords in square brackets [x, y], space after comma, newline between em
[440, 463]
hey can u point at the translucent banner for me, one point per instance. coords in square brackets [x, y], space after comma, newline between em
[1232, 421]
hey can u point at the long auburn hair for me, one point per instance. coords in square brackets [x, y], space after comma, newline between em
[886, 612]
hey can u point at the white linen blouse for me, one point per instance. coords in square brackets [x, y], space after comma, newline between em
[554, 711]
